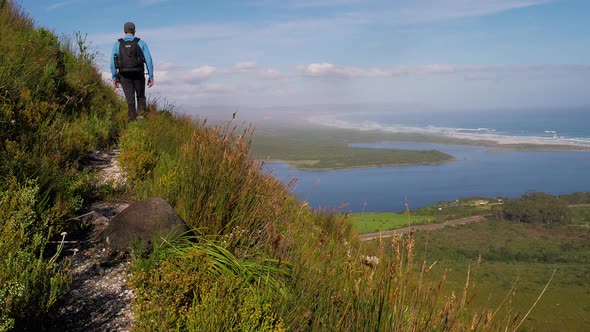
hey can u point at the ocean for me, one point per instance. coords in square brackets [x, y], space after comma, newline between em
[476, 172]
[567, 126]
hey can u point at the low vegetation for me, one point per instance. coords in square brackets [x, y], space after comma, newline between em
[515, 258]
[53, 109]
[536, 208]
[519, 259]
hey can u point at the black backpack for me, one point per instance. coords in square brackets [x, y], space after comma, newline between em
[130, 58]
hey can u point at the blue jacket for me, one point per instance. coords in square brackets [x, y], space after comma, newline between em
[146, 54]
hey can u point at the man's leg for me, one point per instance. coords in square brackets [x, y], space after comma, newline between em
[140, 90]
[128, 85]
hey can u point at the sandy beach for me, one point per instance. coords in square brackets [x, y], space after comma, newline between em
[470, 135]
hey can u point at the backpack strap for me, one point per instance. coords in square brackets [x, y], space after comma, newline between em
[121, 46]
[135, 42]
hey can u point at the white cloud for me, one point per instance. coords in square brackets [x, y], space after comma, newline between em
[274, 33]
[242, 71]
[439, 10]
[106, 76]
[188, 32]
[200, 74]
[330, 70]
[269, 74]
[162, 76]
[407, 11]
[211, 84]
[168, 66]
[215, 89]
[246, 66]
[59, 4]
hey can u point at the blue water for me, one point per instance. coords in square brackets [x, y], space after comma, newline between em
[568, 124]
[476, 172]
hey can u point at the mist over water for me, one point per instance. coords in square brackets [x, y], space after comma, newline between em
[563, 126]
[476, 172]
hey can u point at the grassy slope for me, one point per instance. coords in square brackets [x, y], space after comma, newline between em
[527, 253]
[512, 253]
[521, 256]
[54, 107]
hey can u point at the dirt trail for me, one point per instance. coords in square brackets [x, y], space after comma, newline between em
[425, 227]
[578, 205]
[99, 299]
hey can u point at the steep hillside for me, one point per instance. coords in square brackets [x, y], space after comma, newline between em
[54, 107]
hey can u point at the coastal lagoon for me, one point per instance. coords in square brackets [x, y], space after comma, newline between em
[476, 171]
[549, 126]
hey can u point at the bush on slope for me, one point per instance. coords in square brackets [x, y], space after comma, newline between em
[54, 107]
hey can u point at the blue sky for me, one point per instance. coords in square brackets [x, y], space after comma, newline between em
[463, 54]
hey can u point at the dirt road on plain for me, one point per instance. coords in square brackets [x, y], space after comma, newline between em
[424, 227]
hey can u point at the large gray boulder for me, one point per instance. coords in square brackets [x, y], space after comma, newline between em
[144, 221]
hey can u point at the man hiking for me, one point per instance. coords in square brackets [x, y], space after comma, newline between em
[127, 67]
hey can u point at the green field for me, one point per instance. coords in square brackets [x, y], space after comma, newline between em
[370, 222]
[524, 255]
[527, 253]
[381, 221]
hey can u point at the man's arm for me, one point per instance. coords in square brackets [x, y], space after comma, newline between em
[114, 73]
[148, 61]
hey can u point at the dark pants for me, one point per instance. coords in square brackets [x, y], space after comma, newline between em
[134, 87]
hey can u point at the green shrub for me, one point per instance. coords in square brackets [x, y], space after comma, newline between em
[29, 284]
[536, 207]
[187, 285]
[54, 107]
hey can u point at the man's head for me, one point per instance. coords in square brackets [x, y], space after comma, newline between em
[129, 27]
